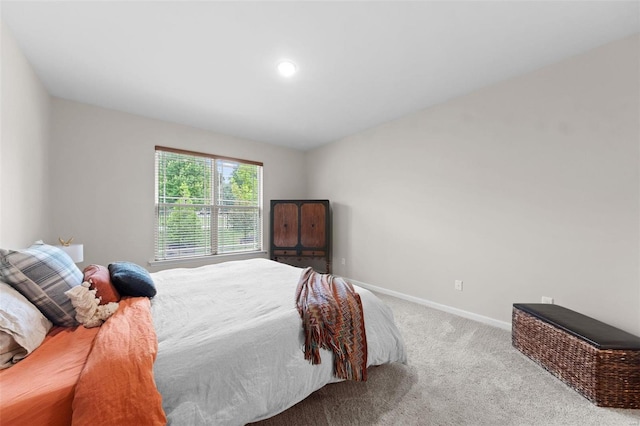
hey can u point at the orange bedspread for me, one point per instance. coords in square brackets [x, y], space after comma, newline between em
[85, 376]
[117, 386]
[39, 389]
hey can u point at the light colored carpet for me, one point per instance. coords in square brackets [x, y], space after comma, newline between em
[460, 372]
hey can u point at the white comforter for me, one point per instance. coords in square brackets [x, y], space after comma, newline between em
[230, 342]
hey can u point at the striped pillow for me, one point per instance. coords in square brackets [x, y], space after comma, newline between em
[42, 273]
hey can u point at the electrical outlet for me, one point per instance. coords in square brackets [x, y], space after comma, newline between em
[458, 285]
[547, 299]
[343, 261]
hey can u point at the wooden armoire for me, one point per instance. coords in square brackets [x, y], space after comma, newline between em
[301, 230]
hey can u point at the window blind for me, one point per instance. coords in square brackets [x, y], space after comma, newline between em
[206, 205]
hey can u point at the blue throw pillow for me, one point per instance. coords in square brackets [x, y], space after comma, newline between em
[131, 279]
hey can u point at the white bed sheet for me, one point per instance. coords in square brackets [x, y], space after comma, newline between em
[230, 342]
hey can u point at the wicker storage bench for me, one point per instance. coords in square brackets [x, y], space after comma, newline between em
[599, 361]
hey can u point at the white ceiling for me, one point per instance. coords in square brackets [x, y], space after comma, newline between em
[212, 65]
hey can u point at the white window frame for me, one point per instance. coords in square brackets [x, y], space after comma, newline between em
[212, 209]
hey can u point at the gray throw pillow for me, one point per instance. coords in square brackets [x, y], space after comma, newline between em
[42, 273]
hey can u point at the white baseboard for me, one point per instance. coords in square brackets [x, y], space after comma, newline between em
[465, 314]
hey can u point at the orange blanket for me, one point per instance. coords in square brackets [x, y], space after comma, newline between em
[117, 386]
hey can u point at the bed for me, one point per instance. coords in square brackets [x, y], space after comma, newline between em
[219, 344]
[242, 315]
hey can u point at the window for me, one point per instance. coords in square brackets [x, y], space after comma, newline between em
[206, 205]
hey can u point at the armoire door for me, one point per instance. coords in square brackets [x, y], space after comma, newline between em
[285, 225]
[313, 218]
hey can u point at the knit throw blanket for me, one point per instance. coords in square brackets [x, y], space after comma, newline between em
[332, 319]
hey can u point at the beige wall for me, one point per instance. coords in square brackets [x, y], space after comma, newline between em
[524, 189]
[102, 177]
[24, 145]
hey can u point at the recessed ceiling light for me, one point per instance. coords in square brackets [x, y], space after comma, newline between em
[287, 68]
